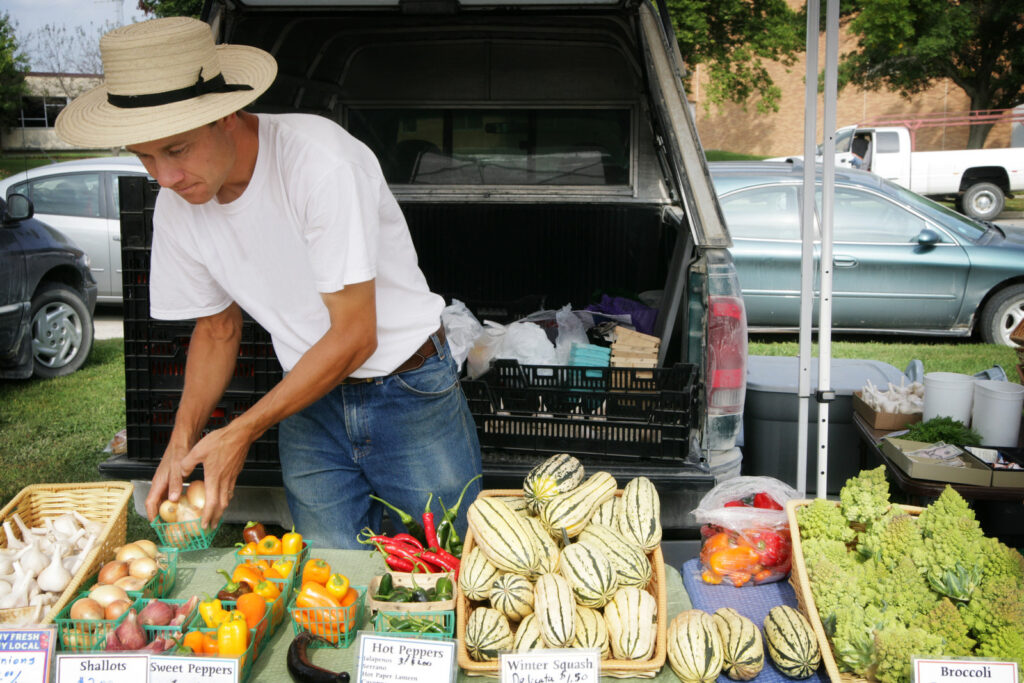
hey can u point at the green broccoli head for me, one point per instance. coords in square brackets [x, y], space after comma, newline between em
[865, 498]
[944, 620]
[823, 519]
[896, 645]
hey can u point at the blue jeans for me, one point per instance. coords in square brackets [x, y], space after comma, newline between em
[400, 438]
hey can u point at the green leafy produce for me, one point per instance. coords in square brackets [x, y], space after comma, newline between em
[896, 585]
[943, 429]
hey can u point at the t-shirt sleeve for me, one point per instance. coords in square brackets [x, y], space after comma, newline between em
[180, 286]
[342, 227]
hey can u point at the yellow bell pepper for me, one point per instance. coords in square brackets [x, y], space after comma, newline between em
[283, 567]
[267, 590]
[212, 612]
[233, 637]
[291, 543]
[337, 585]
[247, 574]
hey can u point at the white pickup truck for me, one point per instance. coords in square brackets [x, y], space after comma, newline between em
[978, 179]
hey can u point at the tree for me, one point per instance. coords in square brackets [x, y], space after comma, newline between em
[13, 67]
[735, 38]
[63, 51]
[907, 45]
[172, 8]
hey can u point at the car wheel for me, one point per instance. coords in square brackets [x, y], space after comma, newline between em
[1002, 314]
[983, 201]
[62, 331]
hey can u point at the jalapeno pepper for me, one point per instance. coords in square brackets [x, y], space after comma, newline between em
[411, 525]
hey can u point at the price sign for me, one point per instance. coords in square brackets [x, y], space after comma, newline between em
[98, 668]
[550, 666]
[963, 671]
[25, 655]
[193, 669]
[387, 659]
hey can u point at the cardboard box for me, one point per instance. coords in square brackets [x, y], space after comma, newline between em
[1001, 476]
[975, 473]
[885, 421]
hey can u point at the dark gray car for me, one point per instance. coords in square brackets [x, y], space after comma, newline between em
[47, 297]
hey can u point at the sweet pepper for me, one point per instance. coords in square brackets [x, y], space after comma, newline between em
[316, 570]
[291, 543]
[212, 612]
[232, 637]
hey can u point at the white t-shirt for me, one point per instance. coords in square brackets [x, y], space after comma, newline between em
[316, 216]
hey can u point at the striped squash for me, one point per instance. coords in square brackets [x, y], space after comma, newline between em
[512, 595]
[527, 636]
[502, 536]
[605, 512]
[555, 608]
[591, 631]
[631, 618]
[477, 575]
[743, 651]
[572, 511]
[638, 516]
[631, 564]
[694, 647]
[791, 642]
[487, 634]
[558, 474]
[517, 503]
[547, 548]
[590, 574]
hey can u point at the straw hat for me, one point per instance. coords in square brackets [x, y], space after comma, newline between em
[164, 77]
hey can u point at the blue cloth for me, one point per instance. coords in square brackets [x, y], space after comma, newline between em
[752, 602]
[399, 437]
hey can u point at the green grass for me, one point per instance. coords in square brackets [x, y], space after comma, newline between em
[723, 155]
[11, 163]
[54, 431]
[936, 356]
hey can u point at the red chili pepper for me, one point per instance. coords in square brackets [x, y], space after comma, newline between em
[443, 560]
[428, 525]
[400, 550]
[766, 502]
[399, 564]
[408, 539]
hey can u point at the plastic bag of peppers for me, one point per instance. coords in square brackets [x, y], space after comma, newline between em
[745, 534]
[430, 544]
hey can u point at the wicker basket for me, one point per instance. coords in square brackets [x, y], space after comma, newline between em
[104, 502]
[805, 599]
[615, 668]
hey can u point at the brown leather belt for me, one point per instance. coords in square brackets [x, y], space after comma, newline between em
[418, 358]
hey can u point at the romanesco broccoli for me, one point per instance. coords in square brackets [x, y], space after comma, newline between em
[1005, 644]
[944, 620]
[894, 647]
[997, 603]
[822, 519]
[865, 497]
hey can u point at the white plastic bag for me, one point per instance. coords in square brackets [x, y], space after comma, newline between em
[712, 508]
[570, 331]
[487, 346]
[461, 328]
[527, 343]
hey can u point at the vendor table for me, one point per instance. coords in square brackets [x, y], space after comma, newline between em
[922, 488]
[197, 574]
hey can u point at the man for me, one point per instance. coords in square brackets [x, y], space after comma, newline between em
[859, 149]
[289, 218]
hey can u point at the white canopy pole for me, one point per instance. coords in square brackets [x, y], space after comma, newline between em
[828, 167]
[807, 239]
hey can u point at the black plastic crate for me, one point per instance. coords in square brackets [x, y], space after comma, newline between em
[135, 285]
[137, 196]
[629, 413]
[150, 417]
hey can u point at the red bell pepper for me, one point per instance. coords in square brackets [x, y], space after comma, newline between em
[764, 501]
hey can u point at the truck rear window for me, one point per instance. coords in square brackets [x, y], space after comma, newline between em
[497, 146]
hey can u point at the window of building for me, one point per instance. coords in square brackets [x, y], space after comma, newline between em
[41, 112]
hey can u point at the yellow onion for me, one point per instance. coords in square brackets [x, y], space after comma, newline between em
[169, 511]
[86, 608]
[131, 583]
[116, 609]
[148, 547]
[112, 571]
[107, 593]
[129, 552]
[196, 494]
[144, 568]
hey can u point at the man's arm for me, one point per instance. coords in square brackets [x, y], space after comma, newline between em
[347, 344]
[212, 353]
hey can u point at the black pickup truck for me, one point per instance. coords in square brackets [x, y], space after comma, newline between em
[541, 152]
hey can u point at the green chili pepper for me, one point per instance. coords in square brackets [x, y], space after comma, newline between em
[386, 584]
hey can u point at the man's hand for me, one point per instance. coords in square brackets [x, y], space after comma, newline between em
[167, 480]
[222, 453]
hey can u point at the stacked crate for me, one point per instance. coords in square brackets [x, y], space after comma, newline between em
[155, 351]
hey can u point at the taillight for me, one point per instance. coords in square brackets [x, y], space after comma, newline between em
[727, 355]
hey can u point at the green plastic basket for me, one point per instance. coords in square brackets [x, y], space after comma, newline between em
[83, 635]
[250, 655]
[298, 560]
[184, 535]
[434, 625]
[168, 573]
[338, 625]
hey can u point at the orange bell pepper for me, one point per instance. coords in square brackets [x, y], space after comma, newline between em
[314, 622]
[313, 594]
[337, 586]
[248, 549]
[316, 570]
[210, 645]
[710, 577]
[247, 574]
[738, 559]
[291, 543]
[719, 541]
[283, 567]
[269, 545]
[253, 606]
[194, 641]
[267, 590]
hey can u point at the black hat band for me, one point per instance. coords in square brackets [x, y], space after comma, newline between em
[200, 87]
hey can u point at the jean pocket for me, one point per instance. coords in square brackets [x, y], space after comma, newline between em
[436, 377]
